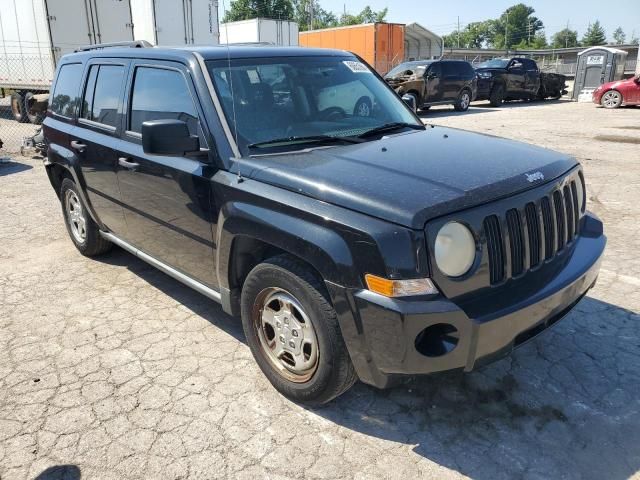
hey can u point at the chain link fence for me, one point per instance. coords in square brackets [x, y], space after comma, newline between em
[22, 78]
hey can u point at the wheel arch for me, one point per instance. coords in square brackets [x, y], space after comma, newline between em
[249, 234]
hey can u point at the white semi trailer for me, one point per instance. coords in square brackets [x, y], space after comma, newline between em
[176, 22]
[34, 34]
[260, 30]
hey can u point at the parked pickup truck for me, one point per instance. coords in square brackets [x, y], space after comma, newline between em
[504, 79]
[351, 246]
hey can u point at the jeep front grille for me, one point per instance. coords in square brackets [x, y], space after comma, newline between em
[538, 230]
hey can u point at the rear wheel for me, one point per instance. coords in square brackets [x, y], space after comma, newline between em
[83, 231]
[611, 99]
[17, 108]
[35, 118]
[463, 101]
[497, 96]
[293, 332]
[363, 107]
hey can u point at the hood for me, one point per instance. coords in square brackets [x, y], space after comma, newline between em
[616, 84]
[411, 178]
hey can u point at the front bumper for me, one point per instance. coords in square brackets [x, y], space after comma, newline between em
[384, 335]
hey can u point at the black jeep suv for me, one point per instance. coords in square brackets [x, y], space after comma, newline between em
[435, 82]
[351, 246]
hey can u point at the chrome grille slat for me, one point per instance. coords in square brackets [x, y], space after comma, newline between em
[494, 248]
[523, 238]
[533, 230]
[516, 242]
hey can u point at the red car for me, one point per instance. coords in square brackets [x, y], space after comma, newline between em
[621, 92]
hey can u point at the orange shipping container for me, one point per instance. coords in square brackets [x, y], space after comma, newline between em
[380, 44]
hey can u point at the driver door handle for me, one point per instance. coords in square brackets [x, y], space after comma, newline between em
[127, 163]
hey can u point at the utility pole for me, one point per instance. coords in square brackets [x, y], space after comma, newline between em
[311, 15]
[566, 36]
[506, 33]
[458, 31]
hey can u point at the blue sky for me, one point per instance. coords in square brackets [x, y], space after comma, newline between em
[441, 16]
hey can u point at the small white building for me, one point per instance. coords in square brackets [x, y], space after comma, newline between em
[260, 30]
[421, 43]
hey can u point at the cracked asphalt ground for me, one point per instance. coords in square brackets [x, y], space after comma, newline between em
[110, 369]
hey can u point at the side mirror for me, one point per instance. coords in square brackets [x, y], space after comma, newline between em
[411, 101]
[168, 137]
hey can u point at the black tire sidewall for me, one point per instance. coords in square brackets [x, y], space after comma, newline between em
[362, 100]
[267, 275]
[497, 96]
[17, 98]
[615, 106]
[35, 118]
[91, 229]
[458, 104]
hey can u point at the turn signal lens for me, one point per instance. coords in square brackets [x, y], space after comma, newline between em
[400, 288]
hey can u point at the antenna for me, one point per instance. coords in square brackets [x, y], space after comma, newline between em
[233, 98]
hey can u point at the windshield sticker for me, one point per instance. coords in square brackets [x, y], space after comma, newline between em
[356, 67]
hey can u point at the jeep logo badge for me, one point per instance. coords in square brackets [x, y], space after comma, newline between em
[534, 177]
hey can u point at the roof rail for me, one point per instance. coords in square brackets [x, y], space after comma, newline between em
[249, 44]
[100, 46]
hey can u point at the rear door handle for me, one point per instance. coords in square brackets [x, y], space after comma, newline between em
[78, 146]
[127, 163]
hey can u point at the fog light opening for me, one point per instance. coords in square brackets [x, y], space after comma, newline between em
[437, 340]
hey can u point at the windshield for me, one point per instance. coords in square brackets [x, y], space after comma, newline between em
[278, 103]
[415, 67]
[495, 63]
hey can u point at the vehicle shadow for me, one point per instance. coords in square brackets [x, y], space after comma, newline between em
[10, 167]
[60, 472]
[565, 405]
[196, 302]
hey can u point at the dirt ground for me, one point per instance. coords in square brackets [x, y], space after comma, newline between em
[110, 369]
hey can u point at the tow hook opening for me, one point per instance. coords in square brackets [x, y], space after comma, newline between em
[437, 340]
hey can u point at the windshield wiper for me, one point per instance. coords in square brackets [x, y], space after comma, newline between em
[308, 139]
[388, 127]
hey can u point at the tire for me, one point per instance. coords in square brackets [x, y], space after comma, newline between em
[35, 118]
[611, 99]
[297, 300]
[497, 96]
[463, 101]
[83, 231]
[17, 108]
[363, 107]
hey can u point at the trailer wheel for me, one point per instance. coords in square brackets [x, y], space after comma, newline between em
[17, 108]
[35, 118]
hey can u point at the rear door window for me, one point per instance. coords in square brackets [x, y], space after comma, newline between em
[102, 95]
[530, 65]
[160, 94]
[65, 96]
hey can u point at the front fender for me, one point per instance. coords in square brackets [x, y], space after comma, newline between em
[319, 246]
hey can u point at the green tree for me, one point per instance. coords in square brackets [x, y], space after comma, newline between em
[474, 35]
[367, 15]
[516, 24]
[595, 35]
[565, 38]
[321, 17]
[248, 9]
[619, 37]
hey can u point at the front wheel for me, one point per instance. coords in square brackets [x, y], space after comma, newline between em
[611, 99]
[363, 107]
[497, 96]
[463, 101]
[293, 332]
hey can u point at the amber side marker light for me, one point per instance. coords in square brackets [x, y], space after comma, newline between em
[399, 288]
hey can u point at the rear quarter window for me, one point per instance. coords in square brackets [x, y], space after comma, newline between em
[66, 98]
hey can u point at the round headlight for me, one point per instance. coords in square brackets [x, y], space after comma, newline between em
[455, 249]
